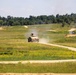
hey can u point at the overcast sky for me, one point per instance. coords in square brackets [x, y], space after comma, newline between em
[25, 8]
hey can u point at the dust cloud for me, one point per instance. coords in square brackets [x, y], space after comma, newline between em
[42, 37]
[43, 40]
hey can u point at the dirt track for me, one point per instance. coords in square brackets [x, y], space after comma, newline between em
[37, 61]
[70, 48]
[37, 73]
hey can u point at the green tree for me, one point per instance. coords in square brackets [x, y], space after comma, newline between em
[16, 23]
[1, 22]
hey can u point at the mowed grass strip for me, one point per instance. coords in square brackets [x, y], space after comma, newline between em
[68, 67]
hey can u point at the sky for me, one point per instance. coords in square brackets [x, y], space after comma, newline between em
[25, 8]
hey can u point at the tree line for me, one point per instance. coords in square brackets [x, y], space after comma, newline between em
[43, 19]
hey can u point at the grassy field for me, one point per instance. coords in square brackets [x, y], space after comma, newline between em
[34, 51]
[69, 67]
[14, 45]
[58, 36]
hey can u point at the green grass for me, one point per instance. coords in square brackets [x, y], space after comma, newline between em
[58, 37]
[69, 67]
[14, 45]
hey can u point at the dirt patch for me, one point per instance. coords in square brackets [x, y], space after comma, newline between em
[1, 28]
[26, 26]
[71, 35]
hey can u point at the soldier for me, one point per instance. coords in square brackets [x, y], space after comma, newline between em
[32, 34]
[29, 39]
